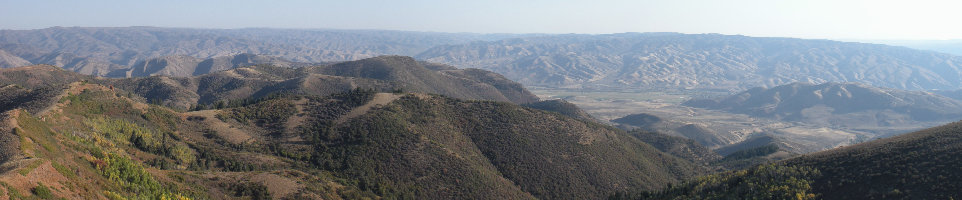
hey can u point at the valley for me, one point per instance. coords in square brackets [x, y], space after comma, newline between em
[720, 128]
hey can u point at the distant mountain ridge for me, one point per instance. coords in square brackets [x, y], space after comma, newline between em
[99, 51]
[810, 102]
[614, 61]
[701, 61]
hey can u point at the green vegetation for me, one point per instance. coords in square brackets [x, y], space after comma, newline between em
[251, 189]
[267, 113]
[678, 146]
[920, 165]
[210, 159]
[13, 193]
[91, 103]
[125, 132]
[131, 177]
[767, 181]
[562, 107]
[35, 133]
[394, 151]
[29, 168]
[42, 192]
[751, 153]
[63, 170]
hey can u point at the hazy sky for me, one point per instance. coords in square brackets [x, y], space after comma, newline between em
[831, 19]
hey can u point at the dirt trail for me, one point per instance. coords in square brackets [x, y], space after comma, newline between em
[223, 129]
[380, 99]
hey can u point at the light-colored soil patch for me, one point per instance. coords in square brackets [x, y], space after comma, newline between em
[298, 118]
[45, 173]
[380, 99]
[223, 129]
[279, 186]
[817, 138]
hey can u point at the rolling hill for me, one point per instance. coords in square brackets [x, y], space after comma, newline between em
[184, 66]
[385, 73]
[106, 142]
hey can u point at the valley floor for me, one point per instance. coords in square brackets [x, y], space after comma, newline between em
[728, 129]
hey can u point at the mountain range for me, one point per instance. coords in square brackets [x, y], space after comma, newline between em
[839, 104]
[702, 61]
[615, 61]
[100, 51]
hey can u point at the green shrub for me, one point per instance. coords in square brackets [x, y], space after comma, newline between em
[42, 192]
[253, 190]
[63, 170]
[133, 178]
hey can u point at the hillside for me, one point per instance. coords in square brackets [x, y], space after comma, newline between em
[839, 105]
[704, 61]
[354, 144]
[678, 146]
[386, 73]
[918, 165]
[8, 60]
[563, 107]
[37, 76]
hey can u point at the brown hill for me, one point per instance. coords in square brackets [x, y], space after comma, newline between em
[385, 73]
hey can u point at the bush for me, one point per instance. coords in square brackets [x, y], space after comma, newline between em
[251, 189]
[42, 192]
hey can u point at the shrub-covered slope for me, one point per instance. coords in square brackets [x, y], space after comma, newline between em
[918, 165]
[95, 142]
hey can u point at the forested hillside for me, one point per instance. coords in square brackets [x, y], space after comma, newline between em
[918, 165]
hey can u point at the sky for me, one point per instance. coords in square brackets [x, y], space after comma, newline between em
[821, 19]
